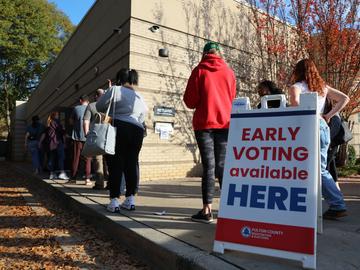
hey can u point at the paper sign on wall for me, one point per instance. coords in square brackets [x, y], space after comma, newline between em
[164, 129]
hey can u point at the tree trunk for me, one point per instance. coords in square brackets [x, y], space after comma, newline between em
[7, 106]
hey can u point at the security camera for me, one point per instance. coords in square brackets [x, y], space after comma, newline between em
[154, 28]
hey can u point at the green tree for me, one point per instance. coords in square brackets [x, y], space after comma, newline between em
[32, 33]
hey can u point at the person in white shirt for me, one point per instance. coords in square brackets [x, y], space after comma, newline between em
[306, 78]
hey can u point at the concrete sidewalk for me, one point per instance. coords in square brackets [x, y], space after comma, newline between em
[161, 233]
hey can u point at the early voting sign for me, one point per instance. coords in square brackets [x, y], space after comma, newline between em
[268, 201]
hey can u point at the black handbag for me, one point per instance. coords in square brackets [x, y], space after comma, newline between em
[343, 136]
[340, 132]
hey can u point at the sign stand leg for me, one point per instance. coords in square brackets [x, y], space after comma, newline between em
[319, 196]
[309, 262]
[219, 247]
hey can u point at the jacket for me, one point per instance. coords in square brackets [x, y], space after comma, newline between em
[210, 90]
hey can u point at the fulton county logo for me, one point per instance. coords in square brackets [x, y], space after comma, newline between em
[246, 232]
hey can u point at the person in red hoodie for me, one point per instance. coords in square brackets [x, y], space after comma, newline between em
[210, 91]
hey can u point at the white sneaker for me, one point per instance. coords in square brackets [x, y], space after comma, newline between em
[63, 176]
[52, 176]
[113, 206]
[129, 203]
[88, 182]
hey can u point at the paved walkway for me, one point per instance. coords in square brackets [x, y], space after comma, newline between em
[162, 218]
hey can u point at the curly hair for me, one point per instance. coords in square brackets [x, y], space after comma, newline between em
[305, 70]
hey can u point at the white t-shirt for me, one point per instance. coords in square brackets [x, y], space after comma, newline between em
[305, 89]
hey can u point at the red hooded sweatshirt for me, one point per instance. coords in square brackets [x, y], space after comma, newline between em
[210, 91]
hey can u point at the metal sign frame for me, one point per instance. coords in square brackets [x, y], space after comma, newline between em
[262, 209]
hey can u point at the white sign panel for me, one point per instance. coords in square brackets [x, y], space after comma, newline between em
[269, 193]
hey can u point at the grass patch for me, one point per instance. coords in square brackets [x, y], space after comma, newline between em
[3, 129]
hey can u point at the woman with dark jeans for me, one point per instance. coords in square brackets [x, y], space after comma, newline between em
[128, 110]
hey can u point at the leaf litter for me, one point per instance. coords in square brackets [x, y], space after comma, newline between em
[49, 237]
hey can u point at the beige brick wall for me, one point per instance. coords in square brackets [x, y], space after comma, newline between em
[168, 170]
[162, 82]
[356, 133]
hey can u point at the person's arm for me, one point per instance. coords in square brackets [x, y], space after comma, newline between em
[42, 137]
[103, 102]
[341, 100]
[86, 126]
[294, 96]
[87, 117]
[192, 95]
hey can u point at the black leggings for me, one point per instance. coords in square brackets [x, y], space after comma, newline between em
[212, 145]
[129, 138]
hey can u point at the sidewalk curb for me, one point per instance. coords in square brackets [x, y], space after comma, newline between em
[155, 248]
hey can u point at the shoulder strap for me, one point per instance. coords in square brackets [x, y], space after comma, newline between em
[113, 112]
[112, 100]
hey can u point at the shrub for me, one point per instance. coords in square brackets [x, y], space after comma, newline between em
[357, 162]
[351, 155]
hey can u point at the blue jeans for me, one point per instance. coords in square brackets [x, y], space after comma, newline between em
[331, 193]
[59, 155]
[33, 147]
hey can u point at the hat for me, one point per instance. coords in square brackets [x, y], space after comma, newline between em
[211, 45]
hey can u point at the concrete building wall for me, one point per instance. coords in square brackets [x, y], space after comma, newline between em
[18, 129]
[95, 53]
[92, 55]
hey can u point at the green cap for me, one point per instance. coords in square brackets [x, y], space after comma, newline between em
[211, 45]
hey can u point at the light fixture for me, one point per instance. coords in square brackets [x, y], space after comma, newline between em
[117, 30]
[164, 52]
[154, 28]
[96, 71]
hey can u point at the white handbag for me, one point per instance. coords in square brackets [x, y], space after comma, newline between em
[101, 138]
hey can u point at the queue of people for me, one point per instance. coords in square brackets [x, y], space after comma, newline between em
[210, 91]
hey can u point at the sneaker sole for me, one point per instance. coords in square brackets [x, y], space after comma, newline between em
[115, 210]
[335, 217]
[203, 220]
[132, 208]
[98, 188]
